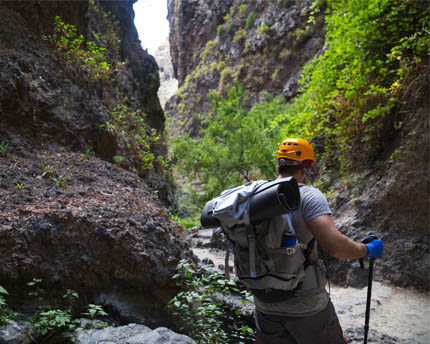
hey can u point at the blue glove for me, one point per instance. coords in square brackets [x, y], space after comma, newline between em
[374, 246]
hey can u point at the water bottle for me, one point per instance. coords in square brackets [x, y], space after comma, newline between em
[289, 241]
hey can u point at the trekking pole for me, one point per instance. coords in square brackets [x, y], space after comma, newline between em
[369, 288]
[369, 296]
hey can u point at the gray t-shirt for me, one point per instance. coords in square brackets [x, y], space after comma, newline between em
[306, 301]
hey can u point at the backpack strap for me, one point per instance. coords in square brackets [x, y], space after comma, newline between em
[307, 253]
[251, 247]
[309, 247]
[226, 261]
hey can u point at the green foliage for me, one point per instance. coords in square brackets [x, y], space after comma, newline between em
[88, 153]
[4, 149]
[108, 29]
[315, 9]
[242, 8]
[86, 57]
[52, 320]
[208, 48]
[238, 35]
[250, 20]
[373, 48]
[262, 29]
[94, 311]
[6, 314]
[236, 144]
[97, 59]
[19, 186]
[189, 222]
[138, 136]
[118, 159]
[200, 313]
[53, 174]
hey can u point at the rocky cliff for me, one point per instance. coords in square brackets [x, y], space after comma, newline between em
[264, 45]
[72, 215]
[44, 90]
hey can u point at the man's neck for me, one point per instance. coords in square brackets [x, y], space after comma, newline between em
[300, 177]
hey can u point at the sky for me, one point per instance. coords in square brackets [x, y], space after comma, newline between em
[151, 23]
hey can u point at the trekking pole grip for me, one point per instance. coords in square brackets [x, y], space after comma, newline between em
[366, 240]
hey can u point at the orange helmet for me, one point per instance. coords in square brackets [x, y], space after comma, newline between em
[298, 150]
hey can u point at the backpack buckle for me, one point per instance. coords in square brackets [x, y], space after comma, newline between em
[290, 250]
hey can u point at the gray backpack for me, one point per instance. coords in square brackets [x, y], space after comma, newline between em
[256, 217]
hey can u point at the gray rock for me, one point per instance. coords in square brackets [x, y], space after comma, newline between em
[130, 334]
[16, 333]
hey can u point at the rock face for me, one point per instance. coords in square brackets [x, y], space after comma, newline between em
[168, 83]
[391, 202]
[40, 93]
[264, 44]
[86, 225]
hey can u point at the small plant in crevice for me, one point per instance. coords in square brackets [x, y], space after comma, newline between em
[48, 170]
[199, 311]
[4, 149]
[88, 154]
[53, 174]
[19, 186]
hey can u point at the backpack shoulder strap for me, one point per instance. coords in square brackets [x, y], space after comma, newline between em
[251, 246]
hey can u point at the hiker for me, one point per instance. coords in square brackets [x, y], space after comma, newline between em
[308, 316]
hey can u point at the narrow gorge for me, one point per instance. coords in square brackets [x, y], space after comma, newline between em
[93, 196]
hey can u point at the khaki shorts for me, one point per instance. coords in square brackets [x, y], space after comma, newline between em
[320, 328]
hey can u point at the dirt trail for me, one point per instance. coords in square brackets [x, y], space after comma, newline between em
[399, 313]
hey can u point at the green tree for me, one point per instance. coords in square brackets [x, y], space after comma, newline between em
[237, 143]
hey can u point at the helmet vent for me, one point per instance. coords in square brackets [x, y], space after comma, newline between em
[298, 153]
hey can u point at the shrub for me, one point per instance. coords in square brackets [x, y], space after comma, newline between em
[200, 313]
[85, 56]
[6, 314]
[373, 49]
[52, 320]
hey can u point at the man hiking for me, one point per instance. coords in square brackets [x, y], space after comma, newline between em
[308, 316]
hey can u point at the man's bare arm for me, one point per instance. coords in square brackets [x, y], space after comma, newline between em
[334, 242]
